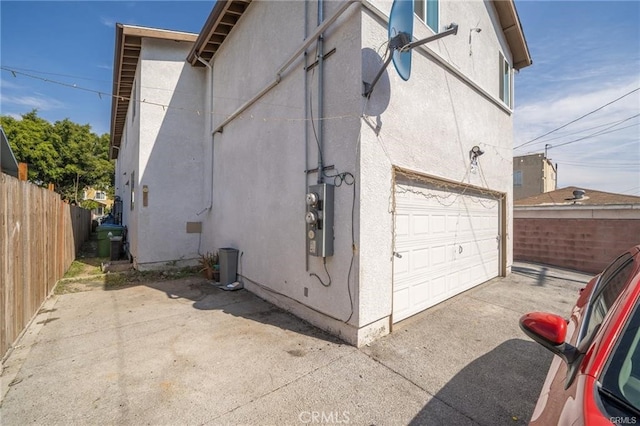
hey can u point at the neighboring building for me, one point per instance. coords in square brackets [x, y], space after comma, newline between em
[101, 198]
[250, 131]
[8, 163]
[532, 175]
[159, 150]
[580, 229]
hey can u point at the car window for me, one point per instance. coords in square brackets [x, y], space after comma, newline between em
[611, 284]
[621, 376]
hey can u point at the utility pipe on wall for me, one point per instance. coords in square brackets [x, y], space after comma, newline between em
[320, 60]
[286, 65]
[210, 66]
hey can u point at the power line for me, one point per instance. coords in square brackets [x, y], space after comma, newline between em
[577, 119]
[593, 135]
[579, 131]
[600, 166]
[100, 94]
[601, 132]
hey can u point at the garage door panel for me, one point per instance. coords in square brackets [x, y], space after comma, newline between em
[448, 245]
[419, 260]
[402, 225]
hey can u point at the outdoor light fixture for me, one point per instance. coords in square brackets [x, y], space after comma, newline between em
[473, 156]
[475, 152]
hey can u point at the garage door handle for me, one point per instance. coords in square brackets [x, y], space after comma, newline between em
[459, 249]
[398, 255]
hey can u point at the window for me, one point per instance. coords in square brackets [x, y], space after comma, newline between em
[505, 81]
[610, 285]
[100, 195]
[517, 178]
[428, 11]
[621, 378]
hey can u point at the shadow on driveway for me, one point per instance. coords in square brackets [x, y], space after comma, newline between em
[241, 303]
[495, 386]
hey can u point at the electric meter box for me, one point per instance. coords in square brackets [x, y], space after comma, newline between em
[319, 219]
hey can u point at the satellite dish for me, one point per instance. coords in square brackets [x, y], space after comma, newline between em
[400, 41]
[401, 33]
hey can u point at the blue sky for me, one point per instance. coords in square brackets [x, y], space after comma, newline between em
[586, 54]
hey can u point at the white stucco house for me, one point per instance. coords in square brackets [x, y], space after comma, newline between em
[352, 212]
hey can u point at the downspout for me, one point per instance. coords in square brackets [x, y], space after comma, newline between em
[320, 60]
[306, 125]
[210, 66]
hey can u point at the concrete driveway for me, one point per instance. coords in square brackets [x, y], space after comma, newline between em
[183, 352]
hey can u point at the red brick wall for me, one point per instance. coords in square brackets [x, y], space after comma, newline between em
[586, 245]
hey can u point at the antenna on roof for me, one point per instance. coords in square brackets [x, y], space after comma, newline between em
[400, 44]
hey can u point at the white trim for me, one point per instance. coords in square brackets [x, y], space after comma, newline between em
[629, 211]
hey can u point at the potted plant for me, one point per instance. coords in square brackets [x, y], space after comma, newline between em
[209, 265]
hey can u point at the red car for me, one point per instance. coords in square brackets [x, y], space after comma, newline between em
[595, 377]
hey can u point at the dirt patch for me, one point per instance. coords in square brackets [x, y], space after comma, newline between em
[115, 280]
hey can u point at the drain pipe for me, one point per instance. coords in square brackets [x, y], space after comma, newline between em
[320, 60]
[210, 66]
[306, 126]
[321, 29]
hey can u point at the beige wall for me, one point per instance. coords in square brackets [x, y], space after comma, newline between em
[538, 176]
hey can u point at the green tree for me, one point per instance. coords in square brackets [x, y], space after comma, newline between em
[65, 153]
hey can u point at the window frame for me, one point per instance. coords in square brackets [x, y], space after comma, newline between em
[425, 16]
[517, 181]
[602, 300]
[505, 92]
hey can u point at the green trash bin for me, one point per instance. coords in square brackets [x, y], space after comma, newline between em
[104, 243]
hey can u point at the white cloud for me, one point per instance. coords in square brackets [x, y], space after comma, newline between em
[38, 102]
[609, 161]
[8, 84]
[541, 116]
[108, 22]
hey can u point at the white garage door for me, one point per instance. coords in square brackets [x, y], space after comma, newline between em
[445, 242]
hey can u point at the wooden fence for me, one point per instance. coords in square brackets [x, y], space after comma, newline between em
[39, 237]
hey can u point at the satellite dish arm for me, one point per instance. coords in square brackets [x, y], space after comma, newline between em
[401, 43]
[368, 87]
[451, 29]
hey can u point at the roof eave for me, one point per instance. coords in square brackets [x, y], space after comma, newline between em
[223, 17]
[128, 44]
[512, 28]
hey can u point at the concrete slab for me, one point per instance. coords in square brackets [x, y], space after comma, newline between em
[184, 352]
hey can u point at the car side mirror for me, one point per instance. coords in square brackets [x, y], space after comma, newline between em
[550, 331]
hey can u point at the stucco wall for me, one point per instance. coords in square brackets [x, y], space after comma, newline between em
[429, 124]
[127, 163]
[170, 162]
[581, 239]
[260, 158]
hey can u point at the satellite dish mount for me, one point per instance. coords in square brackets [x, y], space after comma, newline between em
[400, 44]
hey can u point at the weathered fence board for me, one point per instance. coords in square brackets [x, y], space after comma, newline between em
[39, 239]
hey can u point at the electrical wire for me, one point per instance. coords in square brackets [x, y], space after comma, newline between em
[576, 132]
[102, 94]
[313, 274]
[599, 133]
[338, 179]
[577, 119]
